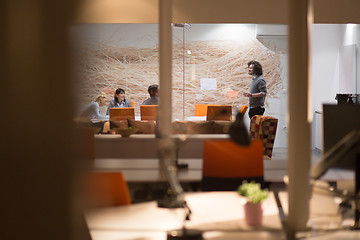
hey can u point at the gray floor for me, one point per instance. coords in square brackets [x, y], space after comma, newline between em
[316, 155]
[276, 169]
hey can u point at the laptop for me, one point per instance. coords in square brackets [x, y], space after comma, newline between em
[148, 112]
[120, 114]
[219, 112]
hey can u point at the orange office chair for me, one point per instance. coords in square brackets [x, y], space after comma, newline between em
[105, 189]
[148, 112]
[226, 164]
[201, 109]
[243, 109]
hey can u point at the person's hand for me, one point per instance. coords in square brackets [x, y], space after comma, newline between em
[246, 94]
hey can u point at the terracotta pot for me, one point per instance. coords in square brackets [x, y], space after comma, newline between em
[253, 214]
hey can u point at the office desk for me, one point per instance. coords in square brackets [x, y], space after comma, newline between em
[137, 157]
[219, 213]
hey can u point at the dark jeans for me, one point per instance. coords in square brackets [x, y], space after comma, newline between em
[256, 111]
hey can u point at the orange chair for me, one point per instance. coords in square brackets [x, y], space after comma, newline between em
[201, 109]
[226, 164]
[219, 112]
[106, 127]
[243, 109]
[148, 112]
[105, 189]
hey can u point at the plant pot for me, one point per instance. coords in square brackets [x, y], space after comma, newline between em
[125, 132]
[253, 214]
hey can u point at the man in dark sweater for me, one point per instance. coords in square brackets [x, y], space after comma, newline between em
[257, 90]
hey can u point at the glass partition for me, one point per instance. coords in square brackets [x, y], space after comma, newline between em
[209, 65]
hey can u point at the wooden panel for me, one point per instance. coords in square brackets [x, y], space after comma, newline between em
[118, 11]
[230, 11]
[213, 11]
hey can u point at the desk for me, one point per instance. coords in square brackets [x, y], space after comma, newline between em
[137, 157]
[219, 213]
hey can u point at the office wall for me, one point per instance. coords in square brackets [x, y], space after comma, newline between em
[357, 41]
[328, 39]
[126, 55]
[213, 11]
[37, 147]
[327, 64]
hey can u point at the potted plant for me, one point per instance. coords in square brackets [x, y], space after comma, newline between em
[125, 132]
[253, 207]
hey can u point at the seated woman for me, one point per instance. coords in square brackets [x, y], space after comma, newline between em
[91, 111]
[119, 100]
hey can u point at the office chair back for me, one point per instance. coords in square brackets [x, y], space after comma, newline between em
[243, 109]
[226, 164]
[201, 109]
[105, 189]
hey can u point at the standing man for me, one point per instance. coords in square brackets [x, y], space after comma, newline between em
[257, 89]
[153, 91]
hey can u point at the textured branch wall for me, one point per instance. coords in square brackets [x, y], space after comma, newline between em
[103, 68]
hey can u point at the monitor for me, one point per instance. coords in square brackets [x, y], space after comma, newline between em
[341, 138]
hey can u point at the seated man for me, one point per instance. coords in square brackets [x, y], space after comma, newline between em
[154, 98]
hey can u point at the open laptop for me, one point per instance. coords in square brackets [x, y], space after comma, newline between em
[148, 112]
[120, 114]
[219, 112]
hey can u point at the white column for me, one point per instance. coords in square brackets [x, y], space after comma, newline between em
[299, 155]
[167, 152]
[165, 91]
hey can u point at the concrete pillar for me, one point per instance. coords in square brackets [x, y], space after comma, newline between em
[299, 155]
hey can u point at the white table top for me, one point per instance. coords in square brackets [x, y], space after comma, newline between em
[213, 212]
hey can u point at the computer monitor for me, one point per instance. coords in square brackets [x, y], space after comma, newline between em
[341, 128]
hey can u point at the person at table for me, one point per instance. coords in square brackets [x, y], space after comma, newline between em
[153, 91]
[119, 100]
[91, 111]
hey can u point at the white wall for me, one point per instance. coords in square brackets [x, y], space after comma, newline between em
[327, 42]
[325, 63]
[357, 42]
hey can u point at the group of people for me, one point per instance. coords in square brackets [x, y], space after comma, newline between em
[91, 111]
[256, 96]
